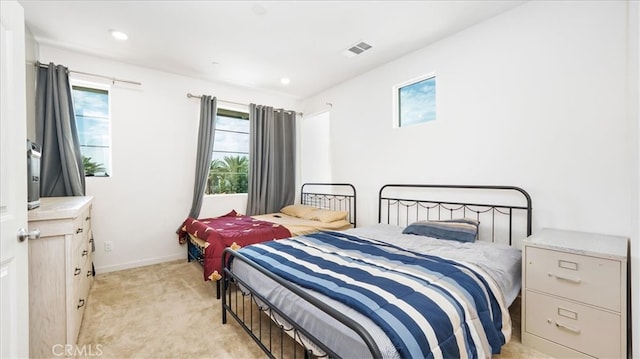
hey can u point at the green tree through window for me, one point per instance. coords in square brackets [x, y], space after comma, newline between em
[230, 158]
[229, 175]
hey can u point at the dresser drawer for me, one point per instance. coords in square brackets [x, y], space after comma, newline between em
[79, 224]
[590, 280]
[79, 235]
[586, 329]
[86, 216]
[82, 265]
[78, 260]
[82, 253]
[80, 301]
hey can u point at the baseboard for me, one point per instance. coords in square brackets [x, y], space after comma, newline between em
[142, 263]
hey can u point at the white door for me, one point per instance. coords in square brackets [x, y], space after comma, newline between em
[14, 275]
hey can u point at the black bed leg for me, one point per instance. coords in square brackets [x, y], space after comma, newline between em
[224, 309]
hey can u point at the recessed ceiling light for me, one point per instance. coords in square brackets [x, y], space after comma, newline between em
[258, 9]
[285, 80]
[119, 35]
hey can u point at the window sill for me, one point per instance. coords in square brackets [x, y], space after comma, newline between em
[226, 195]
[102, 176]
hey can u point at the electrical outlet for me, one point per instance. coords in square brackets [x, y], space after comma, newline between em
[108, 246]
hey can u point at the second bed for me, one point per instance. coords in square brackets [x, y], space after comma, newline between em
[323, 206]
[435, 279]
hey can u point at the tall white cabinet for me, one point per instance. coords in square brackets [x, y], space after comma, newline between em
[60, 272]
[575, 294]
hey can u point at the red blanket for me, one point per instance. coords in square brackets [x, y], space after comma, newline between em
[225, 231]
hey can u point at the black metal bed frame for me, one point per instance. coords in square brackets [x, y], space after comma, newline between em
[334, 196]
[235, 300]
[410, 210]
[341, 197]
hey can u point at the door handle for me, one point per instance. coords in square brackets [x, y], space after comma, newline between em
[23, 234]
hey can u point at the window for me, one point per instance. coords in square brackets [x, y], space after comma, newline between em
[415, 101]
[229, 171]
[91, 107]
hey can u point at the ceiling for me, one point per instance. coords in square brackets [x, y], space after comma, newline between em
[251, 43]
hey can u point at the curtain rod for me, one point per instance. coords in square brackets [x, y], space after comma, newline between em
[190, 95]
[113, 79]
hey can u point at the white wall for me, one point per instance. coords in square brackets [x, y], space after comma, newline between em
[535, 97]
[31, 56]
[315, 157]
[154, 139]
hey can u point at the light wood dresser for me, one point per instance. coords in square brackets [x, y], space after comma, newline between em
[574, 297]
[60, 272]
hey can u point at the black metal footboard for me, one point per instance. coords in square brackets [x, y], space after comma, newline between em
[250, 309]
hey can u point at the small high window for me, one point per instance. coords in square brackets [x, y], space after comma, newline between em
[415, 101]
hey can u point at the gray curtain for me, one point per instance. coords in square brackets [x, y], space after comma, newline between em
[206, 133]
[272, 147]
[61, 169]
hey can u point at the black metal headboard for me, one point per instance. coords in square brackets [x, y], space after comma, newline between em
[333, 196]
[504, 212]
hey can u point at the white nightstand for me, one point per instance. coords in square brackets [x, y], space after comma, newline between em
[574, 297]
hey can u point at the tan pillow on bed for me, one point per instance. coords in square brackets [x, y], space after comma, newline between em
[326, 215]
[297, 210]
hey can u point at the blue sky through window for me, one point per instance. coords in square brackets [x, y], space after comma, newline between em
[417, 102]
[91, 107]
[231, 137]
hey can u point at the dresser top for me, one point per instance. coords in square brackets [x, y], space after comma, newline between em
[59, 207]
[595, 244]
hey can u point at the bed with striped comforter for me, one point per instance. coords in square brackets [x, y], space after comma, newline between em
[425, 306]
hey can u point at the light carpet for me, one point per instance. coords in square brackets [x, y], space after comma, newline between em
[167, 311]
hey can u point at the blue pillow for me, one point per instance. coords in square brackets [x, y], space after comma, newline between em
[460, 229]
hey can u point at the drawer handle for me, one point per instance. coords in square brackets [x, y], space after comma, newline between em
[80, 304]
[77, 271]
[88, 273]
[564, 326]
[568, 279]
[79, 230]
[87, 218]
[85, 252]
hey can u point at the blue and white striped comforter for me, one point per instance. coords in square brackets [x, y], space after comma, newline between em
[426, 305]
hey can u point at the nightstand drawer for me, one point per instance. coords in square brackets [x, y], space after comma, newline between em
[585, 329]
[586, 279]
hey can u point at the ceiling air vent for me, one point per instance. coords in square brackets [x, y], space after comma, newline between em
[356, 49]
